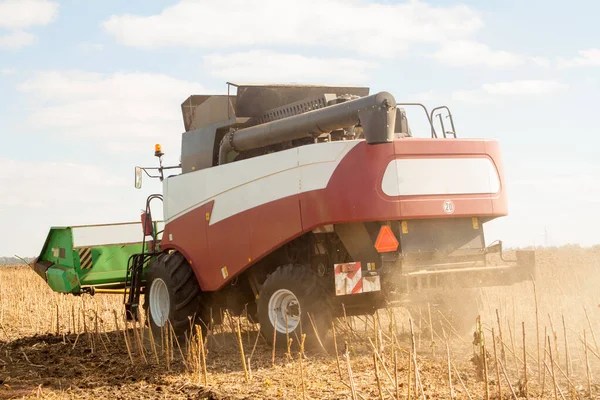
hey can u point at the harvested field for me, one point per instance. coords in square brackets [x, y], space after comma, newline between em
[57, 346]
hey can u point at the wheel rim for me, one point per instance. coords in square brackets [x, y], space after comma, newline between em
[159, 302]
[281, 304]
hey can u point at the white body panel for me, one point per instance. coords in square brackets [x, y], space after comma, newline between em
[431, 176]
[242, 185]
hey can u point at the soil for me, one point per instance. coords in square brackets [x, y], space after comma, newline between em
[38, 360]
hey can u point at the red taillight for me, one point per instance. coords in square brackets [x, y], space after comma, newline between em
[386, 240]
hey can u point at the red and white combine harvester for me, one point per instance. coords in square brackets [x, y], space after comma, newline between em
[298, 200]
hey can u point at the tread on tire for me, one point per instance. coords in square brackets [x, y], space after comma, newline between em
[313, 296]
[185, 300]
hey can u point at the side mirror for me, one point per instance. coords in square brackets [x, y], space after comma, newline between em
[138, 177]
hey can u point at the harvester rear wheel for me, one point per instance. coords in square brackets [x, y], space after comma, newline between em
[173, 295]
[294, 291]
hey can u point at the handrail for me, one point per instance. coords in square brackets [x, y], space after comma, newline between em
[442, 122]
[429, 119]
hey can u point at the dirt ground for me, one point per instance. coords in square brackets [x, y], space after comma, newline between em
[57, 346]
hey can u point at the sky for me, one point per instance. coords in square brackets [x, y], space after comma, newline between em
[88, 88]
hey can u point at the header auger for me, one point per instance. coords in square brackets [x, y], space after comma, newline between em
[300, 199]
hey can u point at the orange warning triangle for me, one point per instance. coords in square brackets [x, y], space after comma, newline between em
[386, 241]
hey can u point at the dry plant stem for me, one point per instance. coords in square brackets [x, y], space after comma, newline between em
[497, 365]
[337, 356]
[393, 329]
[152, 345]
[461, 381]
[531, 357]
[452, 328]
[167, 347]
[116, 322]
[350, 376]
[525, 381]
[255, 343]
[587, 346]
[239, 337]
[552, 365]
[562, 396]
[274, 340]
[348, 323]
[202, 354]
[587, 365]
[431, 329]
[171, 334]
[568, 360]
[75, 342]
[451, 389]
[301, 356]
[591, 329]
[6, 333]
[544, 378]
[502, 353]
[376, 367]
[485, 369]
[512, 390]
[127, 345]
[512, 343]
[409, 372]
[381, 360]
[312, 322]
[555, 337]
[375, 336]
[569, 381]
[418, 384]
[396, 373]
[537, 332]
[140, 345]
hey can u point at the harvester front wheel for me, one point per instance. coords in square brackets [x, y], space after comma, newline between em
[289, 298]
[172, 296]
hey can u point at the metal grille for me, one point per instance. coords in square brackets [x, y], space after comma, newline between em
[296, 108]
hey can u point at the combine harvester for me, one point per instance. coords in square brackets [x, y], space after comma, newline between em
[295, 201]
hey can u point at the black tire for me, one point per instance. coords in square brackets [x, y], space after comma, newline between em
[313, 297]
[184, 294]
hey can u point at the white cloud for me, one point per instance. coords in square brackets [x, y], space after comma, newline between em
[16, 40]
[591, 81]
[120, 108]
[40, 184]
[384, 29]
[19, 14]
[587, 58]
[263, 65]
[8, 71]
[491, 92]
[523, 88]
[470, 96]
[45, 194]
[541, 62]
[91, 47]
[461, 53]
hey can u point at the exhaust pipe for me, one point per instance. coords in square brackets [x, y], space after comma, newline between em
[376, 114]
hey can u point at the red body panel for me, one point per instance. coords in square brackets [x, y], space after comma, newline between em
[353, 194]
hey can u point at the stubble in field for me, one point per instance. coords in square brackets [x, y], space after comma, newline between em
[62, 346]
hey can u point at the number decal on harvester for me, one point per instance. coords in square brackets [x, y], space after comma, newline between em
[448, 207]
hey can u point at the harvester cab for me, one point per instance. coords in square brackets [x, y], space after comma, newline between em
[298, 200]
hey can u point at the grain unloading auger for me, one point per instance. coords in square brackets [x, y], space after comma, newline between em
[297, 200]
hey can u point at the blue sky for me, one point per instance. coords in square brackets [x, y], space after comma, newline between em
[87, 88]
